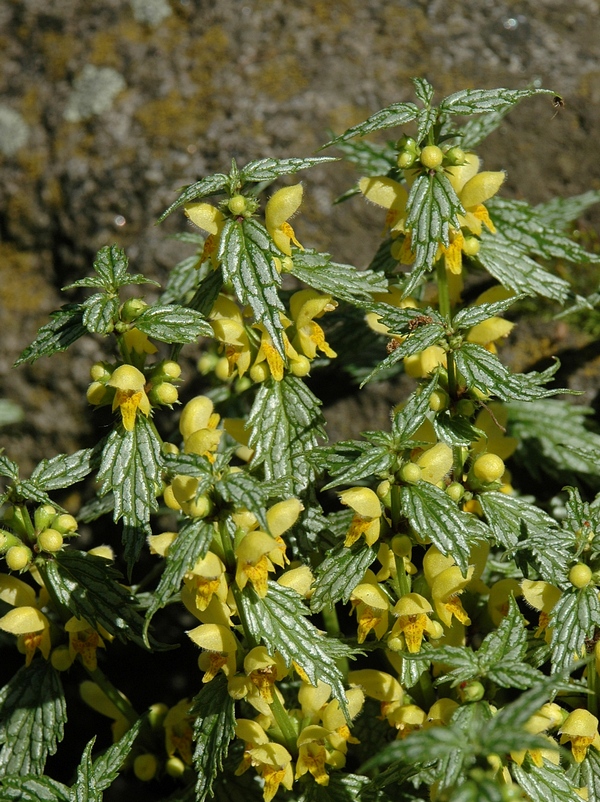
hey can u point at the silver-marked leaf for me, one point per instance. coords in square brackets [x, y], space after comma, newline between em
[173, 324]
[65, 327]
[63, 470]
[246, 254]
[560, 212]
[509, 265]
[483, 370]
[391, 116]
[269, 169]
[472, 315]
[509, 517]
[573, 620]
[100, 313]
[432, 208]
[210, 185]
[214, 728]
[435, 516]
[279, 621]
[341, 281]
[33, 713]
[338, 575]
[285, 424]
[482, 101]
[546, 782]
[423, 90]
[243, 490]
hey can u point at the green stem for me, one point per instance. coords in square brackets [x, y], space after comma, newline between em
[113, 694]
[592, 683]
[445, 307]
[426, 688]
[285, 724]
[332, 627]
[401, 581]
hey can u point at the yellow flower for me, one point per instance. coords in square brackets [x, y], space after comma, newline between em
[255, 556]
[267, 352]
[542, 596]
[581, 729]
[263, 670]
[390, 195]
[130, 395]
[435, 463]
[26, 620]
[371, 605]
[136, 340]
[413, 611]
[95, 698]
[446, 582]
[207, 578]
[220, 647]
[280, 207]
[441, 712]
[209, 219]
[473, 189]
[424, 362]
[378, 685]
[407, 719]
[498, 601]
[305, 306]
[367, 514]
[314, 751]
[83, 641]
[179, 734]
[494, 328]
[492, 421]
[274, 764]
[228, 326]
[548, 717]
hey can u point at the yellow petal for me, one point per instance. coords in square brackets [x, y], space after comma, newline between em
[195, 415]
[282, 516]
[282, 205]
[127, 377]
[16, 592]
[205, 216]
[22, 620]
[480, 188]
[363, 501]
[384, 192]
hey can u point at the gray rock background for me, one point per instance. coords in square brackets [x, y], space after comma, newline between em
[107, 107]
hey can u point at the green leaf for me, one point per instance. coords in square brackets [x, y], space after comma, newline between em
[63, 470]
[484, 371]
[520, 223]
[573, 620]
[510, 516]
[100, 312]
[434, 516]
[542, 783]
[431, 210]
[183, 278]
[560, 212]
[508, 642]
[554, 439]
[455, 430]
[190, 545]
[341, 281]
[210, 185]
[590, 775]
[279, 621]
[243, 490]
[107, 766]
[245, 252]
[339, 573]
[476, 130]
[214, 728]
[344, 787]
[285, 424]
[84, 789]
[90, 588]
[423, 90]
[111, 267]
[33, 713]
[131, 469]
[207, 292]
[369, 158]
[8, 468]
[173, 324]
[33, 789]
[483, 101]
[373, 461]
[390, 117]
[509, 265]
[270, 169]
[65, 327]
[472, 315]
[407, 420]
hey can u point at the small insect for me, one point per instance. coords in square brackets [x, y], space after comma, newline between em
[558, 104]
[419, 320]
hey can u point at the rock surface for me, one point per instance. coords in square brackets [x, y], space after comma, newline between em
[108, 107]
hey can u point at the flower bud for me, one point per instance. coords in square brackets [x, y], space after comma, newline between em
[43, 516]
[50, 540]
[580, 575]
[145, 767]
[198, 508]
[431, 157]
[207, 362]
[300, 367]
[222, 369]
[18, 557]
[132, 309]
[100, 371]
[438, 401]
[65, 524]
[164, 393]
[455, 490]
[472, 691]
[455, 156]
[260, 372]
[237, 204]
[96, 393]
[174, 767]
[411, 473]
[61, 659]
[488, 468]
[471, 246]
[465, 407]
[406, 159]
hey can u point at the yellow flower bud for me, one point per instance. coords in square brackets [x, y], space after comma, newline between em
[580, 575]
[145, 767]
[18, 557]
[488, 468]
[431, 157]
[435, 463]
[50, 540]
